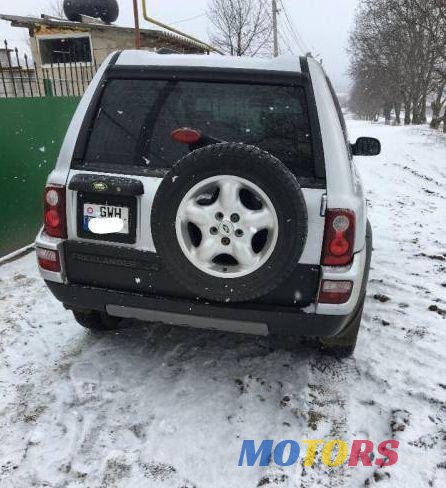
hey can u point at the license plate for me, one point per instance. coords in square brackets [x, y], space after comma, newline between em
[95, 211]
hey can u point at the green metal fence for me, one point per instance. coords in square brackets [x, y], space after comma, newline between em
[31, 133]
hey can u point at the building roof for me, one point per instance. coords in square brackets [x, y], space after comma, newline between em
[27, 22]
[145, 58]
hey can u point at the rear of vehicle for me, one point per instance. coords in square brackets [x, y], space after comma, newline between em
[259, 228]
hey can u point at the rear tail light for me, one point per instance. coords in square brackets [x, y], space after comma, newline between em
[339, 238]
[48, 259]
[54, 218]
[335, 292]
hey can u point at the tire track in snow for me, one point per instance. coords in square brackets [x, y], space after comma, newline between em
[328, 413]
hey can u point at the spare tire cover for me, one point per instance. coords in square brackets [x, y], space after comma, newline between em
[229, 222]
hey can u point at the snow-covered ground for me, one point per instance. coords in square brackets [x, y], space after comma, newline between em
[168, 407]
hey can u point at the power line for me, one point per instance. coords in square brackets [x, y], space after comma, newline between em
[299, 43]
[188, 19]
[286, 41]
[298, 39]
[294, 32]
[294, 40]
[288, 49]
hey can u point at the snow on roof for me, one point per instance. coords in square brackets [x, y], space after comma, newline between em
[145, 58]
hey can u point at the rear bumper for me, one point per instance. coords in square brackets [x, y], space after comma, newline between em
[257, 318]
[262, 320]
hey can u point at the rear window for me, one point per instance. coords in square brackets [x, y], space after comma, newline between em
[136, 117]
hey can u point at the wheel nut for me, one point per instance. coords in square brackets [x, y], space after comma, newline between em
[219, 216]
[235, 218]
[239, 233]
[226, 241]
[214, 231]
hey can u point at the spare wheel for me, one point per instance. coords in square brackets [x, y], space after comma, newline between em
[229, 222]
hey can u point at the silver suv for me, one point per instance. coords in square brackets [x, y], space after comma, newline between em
[210, 191]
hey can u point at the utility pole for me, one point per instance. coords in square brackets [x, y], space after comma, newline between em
[275, 31]
[137, 31]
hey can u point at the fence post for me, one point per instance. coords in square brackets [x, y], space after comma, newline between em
[11, 70]
[37, 78]
[68, 76]
[5, 87]
[48, 87]
[19, 68]
[29, 75]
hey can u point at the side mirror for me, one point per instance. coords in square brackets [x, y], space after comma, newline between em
[366, 146]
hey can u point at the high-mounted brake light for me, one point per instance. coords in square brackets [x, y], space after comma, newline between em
[48, 259]
[54, 212]
[186, 135]
[339, 238]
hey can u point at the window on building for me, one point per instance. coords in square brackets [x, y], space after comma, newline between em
[65, 50]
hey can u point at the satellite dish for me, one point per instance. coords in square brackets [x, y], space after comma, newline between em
[106, 10]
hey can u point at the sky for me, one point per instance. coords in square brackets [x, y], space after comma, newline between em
[323, 25]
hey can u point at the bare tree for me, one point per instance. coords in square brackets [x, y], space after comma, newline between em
[376, 58]
[439, 30]
[438, 103]
[241, 27]
[363, 103]
[398, 52]
[56, 9]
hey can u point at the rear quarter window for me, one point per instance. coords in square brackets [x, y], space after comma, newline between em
[136, 117]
